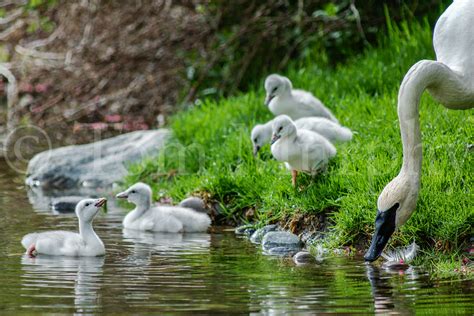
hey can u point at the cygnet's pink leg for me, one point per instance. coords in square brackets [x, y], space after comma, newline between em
[31, 251]
[294, 173]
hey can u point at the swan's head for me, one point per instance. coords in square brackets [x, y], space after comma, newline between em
[138, 194]
[282, 126]
[276, 85]
[395, 205]
[261, 135]
[87, 209]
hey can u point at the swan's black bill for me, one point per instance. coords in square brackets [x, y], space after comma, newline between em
[275, 138]
[384, 228]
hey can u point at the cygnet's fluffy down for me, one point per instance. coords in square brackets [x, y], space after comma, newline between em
[65, 243]
[262, 133]
[171, 219]
[281, 98]
[301, 150]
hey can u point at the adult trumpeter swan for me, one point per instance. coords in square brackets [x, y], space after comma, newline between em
[301, 150]
[281, 99]
[450, 80]
[64, 243]
[262, 133]
[170, 219]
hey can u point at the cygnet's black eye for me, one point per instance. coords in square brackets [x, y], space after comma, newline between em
[255, 140]
[133, 191]
[281, 127]
[87, 204]
[274, 89]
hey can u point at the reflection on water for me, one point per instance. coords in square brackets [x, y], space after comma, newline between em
[81, 274]
[168, 242]
[156, 273]
[382, 291]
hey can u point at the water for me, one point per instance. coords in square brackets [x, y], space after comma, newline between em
[218, 272]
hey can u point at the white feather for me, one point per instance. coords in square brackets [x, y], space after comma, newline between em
[405, 254]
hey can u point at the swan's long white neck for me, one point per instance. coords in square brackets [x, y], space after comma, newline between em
[87, 233]
[445, 85]
[140, 209]
[409, 97]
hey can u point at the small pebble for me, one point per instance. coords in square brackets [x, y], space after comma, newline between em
[303, 257]
[258, 235]
[243, 230]
[277, 239]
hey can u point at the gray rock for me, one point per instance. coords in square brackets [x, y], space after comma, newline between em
[282, 251]
[311, 237]
[245, 230]
[281, 239]
[258, 235]
[195, 203]
[249, 231]
[65, 204]
[303, 257]
[98, 164]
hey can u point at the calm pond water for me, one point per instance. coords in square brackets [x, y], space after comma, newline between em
[219, 272]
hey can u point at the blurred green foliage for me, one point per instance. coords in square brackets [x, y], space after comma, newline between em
[253, 38]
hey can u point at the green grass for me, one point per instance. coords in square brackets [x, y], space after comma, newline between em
[210, 152]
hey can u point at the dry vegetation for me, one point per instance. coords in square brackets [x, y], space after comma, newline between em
[119, 63]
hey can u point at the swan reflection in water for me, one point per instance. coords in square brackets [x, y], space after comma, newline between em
[83, 275]
[385, 300]
[169, 245]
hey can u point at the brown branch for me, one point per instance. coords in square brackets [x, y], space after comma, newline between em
[11, 17]
[12, 30]
[12, 95]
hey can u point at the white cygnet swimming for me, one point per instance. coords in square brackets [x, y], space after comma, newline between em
[301, 150]
[171, 219]
[281, 99]
[65, 243]
[262, 133]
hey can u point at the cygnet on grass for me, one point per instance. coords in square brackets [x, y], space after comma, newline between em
[301, 150]
[281, 98]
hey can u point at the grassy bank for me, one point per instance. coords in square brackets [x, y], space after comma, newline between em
[210, 154]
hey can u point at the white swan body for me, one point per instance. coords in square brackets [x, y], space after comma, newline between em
[331, 130]
[261, 134]
[450, 80]
[65, 243]
[171, 219]
[281, 99]
[302, 150]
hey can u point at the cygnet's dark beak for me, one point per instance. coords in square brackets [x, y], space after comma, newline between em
[384, 228]
[255, 150]
[122, 195]
[100, 202]
[275, 137]
[268, 98]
